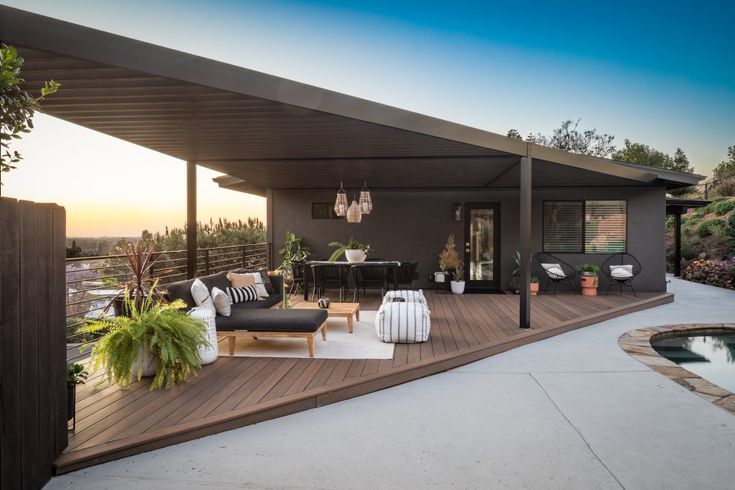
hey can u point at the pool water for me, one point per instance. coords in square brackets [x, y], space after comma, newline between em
[710, 356]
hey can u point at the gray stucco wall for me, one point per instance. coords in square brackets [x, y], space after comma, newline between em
[414, 225]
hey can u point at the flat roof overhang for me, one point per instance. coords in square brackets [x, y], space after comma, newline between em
[269, 132]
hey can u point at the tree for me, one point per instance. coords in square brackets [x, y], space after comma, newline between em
[725, 169]
[515, 134]
[17, 106]
[73, 251]
[641, 154]
[568, 138]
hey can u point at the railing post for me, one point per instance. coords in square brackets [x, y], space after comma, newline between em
[206, 261]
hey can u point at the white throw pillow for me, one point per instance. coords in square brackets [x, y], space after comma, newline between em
[554, 271]
[201, 296]
[621, 271]
[221, 301]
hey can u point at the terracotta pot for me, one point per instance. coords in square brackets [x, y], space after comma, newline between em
[534, 288]
[589, 285]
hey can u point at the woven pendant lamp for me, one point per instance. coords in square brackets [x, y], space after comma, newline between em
[354, 215]
[340, 204]
[366, 202]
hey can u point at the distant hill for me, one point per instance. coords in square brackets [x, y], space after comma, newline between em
[96, 246]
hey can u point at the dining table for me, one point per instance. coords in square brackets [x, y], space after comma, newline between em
[393, 265]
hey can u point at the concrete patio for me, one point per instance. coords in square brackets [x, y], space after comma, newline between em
[572, 411]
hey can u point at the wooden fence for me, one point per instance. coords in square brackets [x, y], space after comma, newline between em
[32, 344]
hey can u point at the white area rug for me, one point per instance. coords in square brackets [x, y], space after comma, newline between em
[363, 343]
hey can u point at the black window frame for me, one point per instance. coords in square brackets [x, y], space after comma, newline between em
[582, 250]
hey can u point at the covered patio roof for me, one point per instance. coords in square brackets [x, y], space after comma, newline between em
[263, 131]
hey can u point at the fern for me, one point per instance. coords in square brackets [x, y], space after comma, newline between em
[164, 330]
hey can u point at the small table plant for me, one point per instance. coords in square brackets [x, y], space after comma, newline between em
[76, 374]
[588, 278]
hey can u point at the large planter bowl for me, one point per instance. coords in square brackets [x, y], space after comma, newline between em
[457, 287]
[148, 361]
[355, 256]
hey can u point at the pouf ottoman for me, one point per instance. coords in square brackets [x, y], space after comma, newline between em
[409, 295]
[404, 323]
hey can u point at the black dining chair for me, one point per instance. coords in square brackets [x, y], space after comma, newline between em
[568, 274]
[369, 277]
[298, 270]
[406, 275]
[629, 265]
[327, 276]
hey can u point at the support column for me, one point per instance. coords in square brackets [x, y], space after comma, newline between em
[191, 219]
[524, 318]
[677, 242]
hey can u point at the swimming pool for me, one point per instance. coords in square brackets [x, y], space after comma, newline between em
[710, 356]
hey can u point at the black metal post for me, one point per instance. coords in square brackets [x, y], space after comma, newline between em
[524, 318]
[677, 242]
[191, 219]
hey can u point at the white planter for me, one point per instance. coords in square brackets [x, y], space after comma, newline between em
[355, 256]
[457, 287]
[440, 276]
[148, 361]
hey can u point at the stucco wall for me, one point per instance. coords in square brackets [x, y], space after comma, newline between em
[413, 225]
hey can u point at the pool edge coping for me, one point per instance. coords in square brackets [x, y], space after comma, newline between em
[637, 344]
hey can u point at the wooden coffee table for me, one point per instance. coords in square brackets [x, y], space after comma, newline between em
[335, 310]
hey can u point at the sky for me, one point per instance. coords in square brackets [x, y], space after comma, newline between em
[659, 73]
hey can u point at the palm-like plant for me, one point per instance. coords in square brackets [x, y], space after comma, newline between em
[165, 331]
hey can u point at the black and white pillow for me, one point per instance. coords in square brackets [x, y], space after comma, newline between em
[243, 294]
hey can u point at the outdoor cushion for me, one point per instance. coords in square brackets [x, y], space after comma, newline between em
[249, 279]
[182, 289]
[554, 271]
[261, 303]
[621, 271]
[242, 294]
[403, 322]
[200, 293]
[407, 294]
[222, 302]
[270, 320]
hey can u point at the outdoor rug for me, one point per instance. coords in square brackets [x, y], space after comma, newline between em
[363, 343]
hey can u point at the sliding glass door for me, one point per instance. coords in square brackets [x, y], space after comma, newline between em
[482, 246]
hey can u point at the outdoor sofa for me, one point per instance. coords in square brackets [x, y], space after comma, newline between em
[256, 319]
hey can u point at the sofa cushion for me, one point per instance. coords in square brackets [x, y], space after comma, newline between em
[202, 297]
[270, 320]
[268, 302]
[182, 289]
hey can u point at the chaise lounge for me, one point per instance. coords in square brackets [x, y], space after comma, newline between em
[255, 319]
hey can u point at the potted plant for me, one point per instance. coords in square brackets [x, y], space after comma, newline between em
[534, 286]
[141, 258]
[354, 251]
[449, 261]
[588, 278]
[76, 374]
[156, 338]
[293, 254]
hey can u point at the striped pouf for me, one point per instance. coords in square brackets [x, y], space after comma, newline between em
[409, 295]
[403, 323]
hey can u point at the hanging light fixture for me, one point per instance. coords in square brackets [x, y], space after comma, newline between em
[366, 202]
[354, 214]
[340, 204]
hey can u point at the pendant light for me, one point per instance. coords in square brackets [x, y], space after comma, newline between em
[354, 215]
[366, 202]
[340, 204]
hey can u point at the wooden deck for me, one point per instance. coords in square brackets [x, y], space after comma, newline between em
[234, 392]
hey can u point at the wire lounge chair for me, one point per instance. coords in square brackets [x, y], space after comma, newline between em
[557, 272]
[621, 269]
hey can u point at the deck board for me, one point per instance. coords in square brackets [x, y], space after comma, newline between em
[233, 392]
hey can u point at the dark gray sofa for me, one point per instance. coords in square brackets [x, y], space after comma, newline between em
[256, 318]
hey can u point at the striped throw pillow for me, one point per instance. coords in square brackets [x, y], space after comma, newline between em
[243, 294]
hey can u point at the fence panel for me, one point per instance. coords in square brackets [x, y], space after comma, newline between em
[33, 377]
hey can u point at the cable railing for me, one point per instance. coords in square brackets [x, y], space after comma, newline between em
[92, 282]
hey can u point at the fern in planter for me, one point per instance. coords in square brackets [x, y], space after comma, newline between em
[165, 331]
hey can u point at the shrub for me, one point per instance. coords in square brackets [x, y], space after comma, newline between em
[712, 272]
[726, 187]
[690, 248]
[722, 206]
[709, 227]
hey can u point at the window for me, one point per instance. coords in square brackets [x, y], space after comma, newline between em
[584, 226]
[604, 226]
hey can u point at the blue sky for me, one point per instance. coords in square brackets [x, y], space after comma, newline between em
[660, 73]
